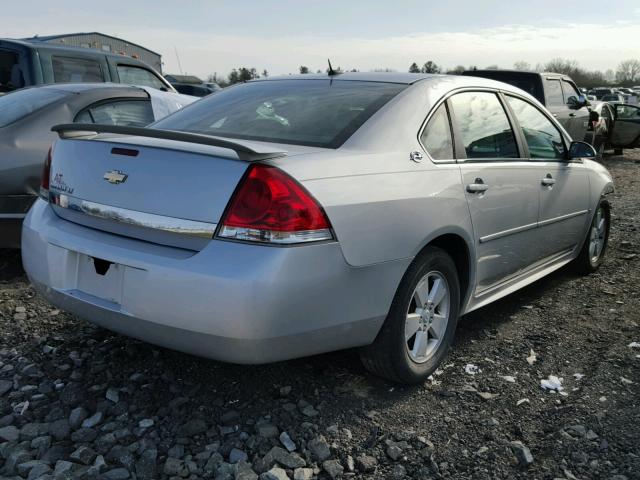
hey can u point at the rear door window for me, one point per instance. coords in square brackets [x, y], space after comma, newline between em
[132, 113]
[76, 70]
[484, 126]
[11, 76]
[139, 76]
[17, 105]
[554, 93]
[436, 137]
[543, 138]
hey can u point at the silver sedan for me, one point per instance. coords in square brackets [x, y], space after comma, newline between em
[293, 216]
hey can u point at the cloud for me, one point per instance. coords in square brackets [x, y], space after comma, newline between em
[594, 46]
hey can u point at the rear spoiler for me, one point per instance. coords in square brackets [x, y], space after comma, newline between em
[246, 150]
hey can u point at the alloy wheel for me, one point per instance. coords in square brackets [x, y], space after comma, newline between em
[597, 236]
[427, 316]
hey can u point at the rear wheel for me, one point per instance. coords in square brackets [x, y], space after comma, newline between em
[595, 245]
[421, 323]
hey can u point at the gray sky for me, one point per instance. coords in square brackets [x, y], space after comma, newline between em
[215, 36]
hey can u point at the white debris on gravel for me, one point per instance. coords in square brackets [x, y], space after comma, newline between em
[578, 376]
[552, 383]
[626, 380]
[634, 345]
[531, 359]
[521, 401]
[472, 369]
[508, 378]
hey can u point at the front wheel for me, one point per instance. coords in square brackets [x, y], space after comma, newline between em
[595, 245]
[421, 323]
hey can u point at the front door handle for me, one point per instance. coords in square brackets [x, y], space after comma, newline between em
[478, 186]
[548, 181]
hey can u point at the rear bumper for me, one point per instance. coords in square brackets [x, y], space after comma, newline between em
[231, 301]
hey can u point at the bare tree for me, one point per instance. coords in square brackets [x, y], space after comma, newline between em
[414, 68]
[304, 69]
[430, 67]
[562, 65]
[522, 65]
[628, 71]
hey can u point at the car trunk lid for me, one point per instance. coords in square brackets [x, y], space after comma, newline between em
[165, 191]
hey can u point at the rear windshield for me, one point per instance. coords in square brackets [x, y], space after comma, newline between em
[321, 113]
[19, 104]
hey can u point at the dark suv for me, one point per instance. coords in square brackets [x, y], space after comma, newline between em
[555, 91]
[24, 63]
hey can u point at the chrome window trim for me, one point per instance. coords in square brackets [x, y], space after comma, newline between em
[135, 218]
[449, 94]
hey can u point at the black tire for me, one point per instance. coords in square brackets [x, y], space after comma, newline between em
[617, 151]
[388, 356]
[585, 263]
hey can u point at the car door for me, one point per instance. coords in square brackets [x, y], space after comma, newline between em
[578, 113]
[626, 127]
[562, 185]
[501, 187]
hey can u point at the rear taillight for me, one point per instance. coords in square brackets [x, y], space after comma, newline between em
[271, 207]
[46, 174]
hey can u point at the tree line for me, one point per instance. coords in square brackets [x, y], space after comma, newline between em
[626, 74]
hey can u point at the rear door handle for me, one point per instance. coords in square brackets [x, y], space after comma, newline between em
[572, 114]
[548, 181]
[478, 186]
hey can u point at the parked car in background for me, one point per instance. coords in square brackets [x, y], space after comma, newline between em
[194, 90]
[192, 85]
[601, 92]
[24, 64]
[613, 98]
[26, 118]
[603, 116]
[557, 92]
[617, 127]
[292, 216]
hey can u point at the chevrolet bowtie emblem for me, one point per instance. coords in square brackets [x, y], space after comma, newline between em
[115, 177]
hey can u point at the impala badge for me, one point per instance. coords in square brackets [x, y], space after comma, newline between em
[115, 177]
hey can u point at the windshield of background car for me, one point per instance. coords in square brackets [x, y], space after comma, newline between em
[319, 113]
[19, 104]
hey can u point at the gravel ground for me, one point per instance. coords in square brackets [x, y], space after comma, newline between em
[78, 401]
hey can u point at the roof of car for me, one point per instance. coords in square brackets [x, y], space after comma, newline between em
[83, 87]
[388, 77]
[35, 44]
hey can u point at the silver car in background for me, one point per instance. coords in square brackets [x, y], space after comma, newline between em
[26, 118]
[293, 216]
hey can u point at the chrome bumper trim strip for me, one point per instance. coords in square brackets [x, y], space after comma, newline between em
[133, 217]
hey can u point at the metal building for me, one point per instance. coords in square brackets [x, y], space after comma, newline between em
[106, 43]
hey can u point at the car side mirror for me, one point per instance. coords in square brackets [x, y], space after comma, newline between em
[581, 150]
[577, 102]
